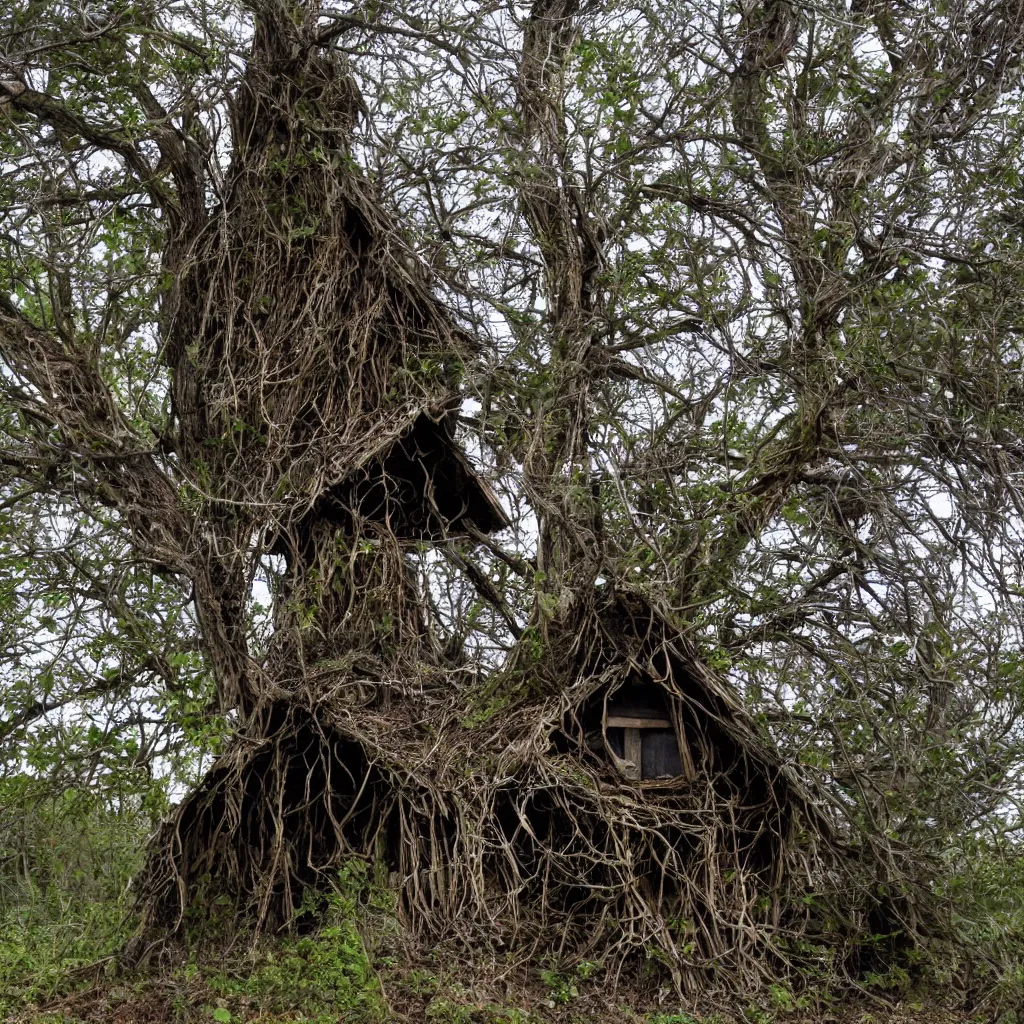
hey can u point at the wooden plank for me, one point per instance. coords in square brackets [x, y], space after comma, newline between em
[633, 748]
[627, 722]
[615, 742]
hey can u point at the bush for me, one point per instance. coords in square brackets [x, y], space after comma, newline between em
[65, 866]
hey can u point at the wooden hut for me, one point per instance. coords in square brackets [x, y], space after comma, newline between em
[416, 483]
[422, 486]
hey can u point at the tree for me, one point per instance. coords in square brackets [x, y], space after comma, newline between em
[723, 300]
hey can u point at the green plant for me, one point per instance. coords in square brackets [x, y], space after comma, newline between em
[66, 864]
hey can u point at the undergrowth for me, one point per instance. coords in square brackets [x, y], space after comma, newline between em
[66, 912]
[65, 870]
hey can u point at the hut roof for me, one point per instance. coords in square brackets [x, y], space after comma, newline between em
[420, 481]
[415, 478]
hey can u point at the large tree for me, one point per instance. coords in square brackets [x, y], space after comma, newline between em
[722, 299]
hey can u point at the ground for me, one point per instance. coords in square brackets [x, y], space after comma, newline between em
[329, 978]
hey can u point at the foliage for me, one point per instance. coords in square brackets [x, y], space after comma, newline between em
[316, 978]
[65, 868]
[60, 948]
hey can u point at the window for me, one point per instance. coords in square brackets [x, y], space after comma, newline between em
[639, 730]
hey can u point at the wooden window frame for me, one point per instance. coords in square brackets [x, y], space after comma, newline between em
[632, 743]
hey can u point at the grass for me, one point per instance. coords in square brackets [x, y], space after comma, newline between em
[58, 963]
[65, 868]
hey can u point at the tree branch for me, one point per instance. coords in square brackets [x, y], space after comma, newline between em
[77, 398]
[15, 95]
